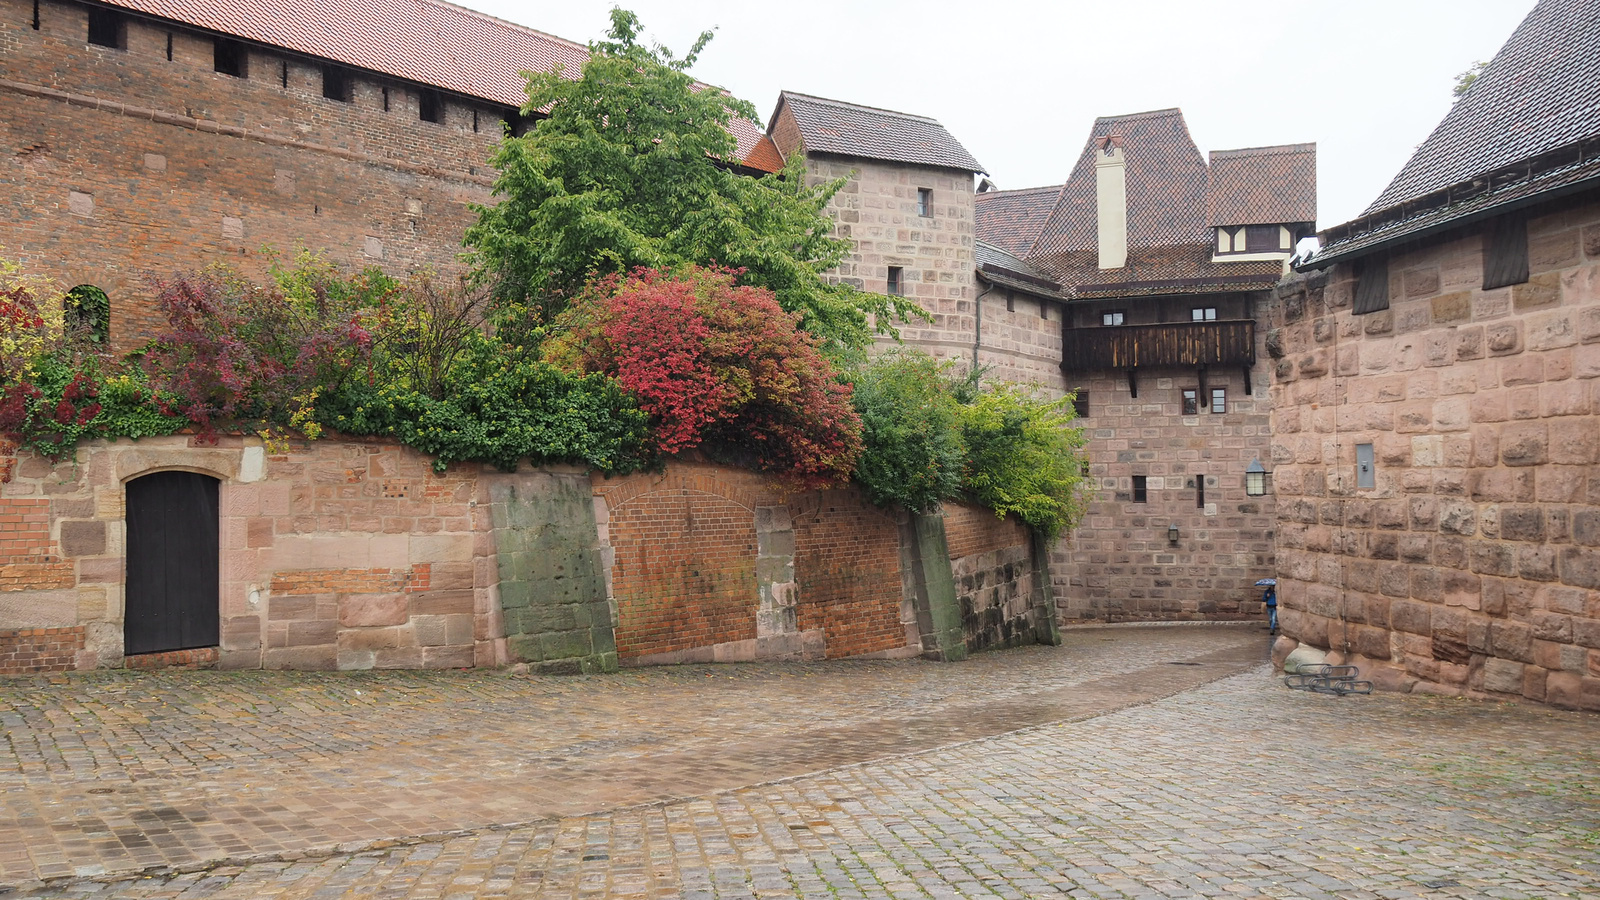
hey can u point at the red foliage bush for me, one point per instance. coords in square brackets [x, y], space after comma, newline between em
[719, 366]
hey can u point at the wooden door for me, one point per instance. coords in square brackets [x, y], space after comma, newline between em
[172, 601]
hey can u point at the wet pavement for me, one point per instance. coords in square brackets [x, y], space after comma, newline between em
[1130, 762]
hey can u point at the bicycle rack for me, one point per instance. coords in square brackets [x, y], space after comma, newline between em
[1326, 679]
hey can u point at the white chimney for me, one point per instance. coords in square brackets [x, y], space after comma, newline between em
[1111, 201]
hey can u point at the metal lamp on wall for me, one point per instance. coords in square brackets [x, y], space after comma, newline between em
[1172, 534]
[1255, 479]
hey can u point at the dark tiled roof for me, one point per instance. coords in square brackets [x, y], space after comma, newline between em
[1000, 267]
[1163, 270]
[846, 129]
[1166, 180]
[423, 41]
[1263, 185]
[1540, 92]
[1010, 220]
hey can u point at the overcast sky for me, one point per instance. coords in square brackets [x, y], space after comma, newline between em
[1019, 84]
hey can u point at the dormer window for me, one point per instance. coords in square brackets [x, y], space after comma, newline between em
[1235, 240]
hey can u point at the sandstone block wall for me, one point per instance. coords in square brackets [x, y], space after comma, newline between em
[1472, 563]
[991, 560]
[1120, 565]
[123, 165]
[1020, 339]
[336, 554]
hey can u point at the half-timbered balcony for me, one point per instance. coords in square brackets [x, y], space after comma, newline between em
[1174, 344]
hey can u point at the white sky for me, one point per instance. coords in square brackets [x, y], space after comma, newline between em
[1020, 83]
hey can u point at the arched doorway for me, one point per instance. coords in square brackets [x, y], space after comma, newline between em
[88, 312]
[172, 601]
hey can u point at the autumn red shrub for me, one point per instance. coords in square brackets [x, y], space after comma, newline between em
[716, 366]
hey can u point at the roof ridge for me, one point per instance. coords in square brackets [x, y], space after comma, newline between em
[1147, 114]
[1042, 187]
[1269, 150]
[849, 105]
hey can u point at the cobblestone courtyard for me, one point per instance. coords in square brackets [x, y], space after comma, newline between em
[1130, 762]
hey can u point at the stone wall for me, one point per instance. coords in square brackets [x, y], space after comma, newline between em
[335, 554]
[991, 560]
[124, 165]
[708, 563]
[1120, 564]
[1472, 563]
[1020, 339]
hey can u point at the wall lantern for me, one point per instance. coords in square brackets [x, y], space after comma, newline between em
[1172, 534]
[1255, 479]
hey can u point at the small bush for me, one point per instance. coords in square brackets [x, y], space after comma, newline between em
[716, 366]
[1024, 456]
[913, 451]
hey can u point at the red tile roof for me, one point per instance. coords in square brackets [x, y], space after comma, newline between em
[1011, 220]
[848, 129]
[424, 41]
[1263, 185]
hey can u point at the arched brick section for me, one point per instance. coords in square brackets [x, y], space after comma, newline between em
[684, 574]
[847, 562]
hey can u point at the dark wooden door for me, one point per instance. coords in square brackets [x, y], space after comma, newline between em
[172, 563]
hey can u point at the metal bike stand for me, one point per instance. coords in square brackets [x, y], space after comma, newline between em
[1326, 679]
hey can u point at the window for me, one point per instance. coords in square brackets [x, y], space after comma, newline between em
[1111, 318]
[1372, 286]
[1191, 402]
[925, 202]
[1080, 404]
[336, 84]
[430, 107]
[896, 282]
[1200, 492]
[107, 28]
[1207, 314]
[1141, 489]
[1044, 310]
[1219, 400]
[1505, 252]
[1260, 239]
[229, 58]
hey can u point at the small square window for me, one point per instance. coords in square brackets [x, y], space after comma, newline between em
[1219, 400]
[107, 29]
[925, 202]
[336, 84]
[897, 286]
[1111, 318]
[230, 58]
[1141, 489]
[1207, 314]
[1080, 404]
[1191, 402]
[430, 107]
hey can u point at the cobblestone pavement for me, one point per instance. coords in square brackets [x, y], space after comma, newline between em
[1225, 788]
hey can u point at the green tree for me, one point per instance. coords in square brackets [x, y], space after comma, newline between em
[1465, 79]
[630, 168]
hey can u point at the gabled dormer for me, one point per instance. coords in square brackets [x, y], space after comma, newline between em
[1261, 201]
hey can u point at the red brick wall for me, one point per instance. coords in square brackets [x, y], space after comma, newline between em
[684, 573]
[27, 555]
[847, 561]
[39, 650]
[970, 530]
[166, 151]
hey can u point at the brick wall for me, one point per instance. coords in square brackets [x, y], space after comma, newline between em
[334, 554]
[847, 563]
[32, 650]
[123, 165]
[1473, 562]
[711, 563]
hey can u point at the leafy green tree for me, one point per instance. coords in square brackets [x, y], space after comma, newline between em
[913, 448]
[630, 168]
[1024, 456]
[1465, 79]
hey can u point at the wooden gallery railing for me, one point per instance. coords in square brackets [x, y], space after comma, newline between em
[1175, 344]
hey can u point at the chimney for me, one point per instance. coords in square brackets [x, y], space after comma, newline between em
[1111, 201]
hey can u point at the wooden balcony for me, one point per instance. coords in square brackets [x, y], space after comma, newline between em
[1175, 344]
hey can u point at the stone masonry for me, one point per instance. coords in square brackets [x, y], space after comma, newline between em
[1472, 562]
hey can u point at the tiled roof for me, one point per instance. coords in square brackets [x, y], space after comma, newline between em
[424, 41]
[765, 156]
[1540, 92]
[1000, 267]
[1010, 220]
[1166, 180]
[1263, 185]
[847, 129]
[1184, 269]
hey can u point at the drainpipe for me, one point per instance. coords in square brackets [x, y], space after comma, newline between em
[977, 327]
